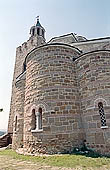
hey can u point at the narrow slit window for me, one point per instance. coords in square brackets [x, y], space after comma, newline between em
[38, 31]
[40, 118]
[33, 32]
[43, 33]
[33, 120]
[15, 123]
[24, 67]
[102, 114]
[36, 120]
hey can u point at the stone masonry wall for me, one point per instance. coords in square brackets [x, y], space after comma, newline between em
[61, 132]
[93, 72]
[51, 84]
[18, 126]
[89, 46]
[21, 53]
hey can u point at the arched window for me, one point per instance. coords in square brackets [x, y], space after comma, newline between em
[102, 114]
[40, 118]
[15, 123]
[38, 31]
[33, 120]
[36, 120]
[24, 66]
[43, 33]
[33, 32]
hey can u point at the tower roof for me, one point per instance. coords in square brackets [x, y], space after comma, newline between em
[37, 29]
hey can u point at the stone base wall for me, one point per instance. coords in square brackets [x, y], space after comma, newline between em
[100, 148]
[17, 142]
[60, 143]
[60, 133]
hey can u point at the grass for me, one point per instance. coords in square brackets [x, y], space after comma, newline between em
[65, 160]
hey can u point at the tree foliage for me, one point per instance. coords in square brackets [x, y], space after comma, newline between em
[1, 110]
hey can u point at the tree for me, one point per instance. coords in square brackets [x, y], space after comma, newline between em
[1, 110]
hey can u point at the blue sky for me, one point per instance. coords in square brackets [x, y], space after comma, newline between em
[89, 18]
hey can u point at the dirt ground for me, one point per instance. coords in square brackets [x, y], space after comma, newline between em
[7, 163]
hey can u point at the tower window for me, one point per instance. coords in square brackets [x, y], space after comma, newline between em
[43, 33]
[15, 123]
[24, 67]
[33, 120]
[102, 114]
[39, 119]
[36, 120]
[38, 31]
[33, 32]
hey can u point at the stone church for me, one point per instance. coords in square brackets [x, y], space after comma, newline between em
[60, 93]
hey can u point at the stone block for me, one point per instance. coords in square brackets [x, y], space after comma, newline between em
[51, 120]
[88, 118]
[54, 129]
[96, 117]
[75, 126]
[92, 125]
[46, 128]
[58, 123]
[69, 128]
[57, 119]
[63, 118]
[65, 123]
[107, 116]
[71, 121]
[62, 128]
[65, 136]
[99, 138]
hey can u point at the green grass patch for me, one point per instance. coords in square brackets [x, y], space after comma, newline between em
[64, 160]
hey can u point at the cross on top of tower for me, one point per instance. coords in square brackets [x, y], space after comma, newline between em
[38, 23]
[37, 18]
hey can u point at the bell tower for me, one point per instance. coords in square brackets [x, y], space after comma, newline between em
[38, 31]
[37, 38]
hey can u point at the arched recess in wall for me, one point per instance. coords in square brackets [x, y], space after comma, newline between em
[36, 115]
[39, 119]
[24, 67]
[33, 122]
[102, 114]
[100, 99]
[100, 103]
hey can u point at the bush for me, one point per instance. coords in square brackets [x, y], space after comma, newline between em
[83, 150]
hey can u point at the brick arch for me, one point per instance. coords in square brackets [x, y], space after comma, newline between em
[43, 105]
[102, 100]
